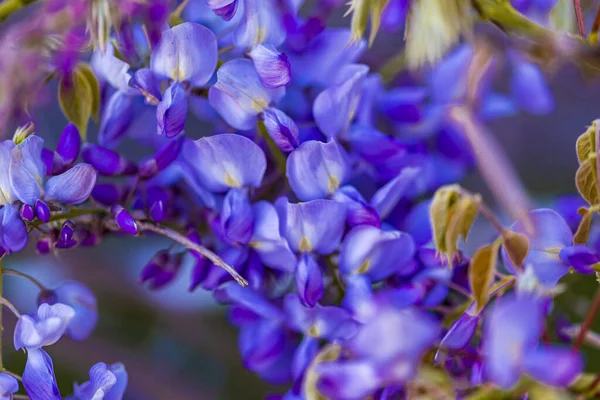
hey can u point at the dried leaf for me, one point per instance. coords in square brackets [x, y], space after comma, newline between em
[586, 142]
[461, 219]
[361, 9]
[76, 99]
[93, 81]
[481, 272]
[329, 352]
[586, 180]
[583, 230]
[440, 213]
[516, 246]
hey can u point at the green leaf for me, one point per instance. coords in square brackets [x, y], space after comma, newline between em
[76, 98]
[586, 180]
[440, 214]
[461, 219]
[93, 81]
[516, 246]
[481, 272]
[586, 384]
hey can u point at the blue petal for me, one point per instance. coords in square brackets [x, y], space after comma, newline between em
[359, 212]
[8, 386]
[513, 326]
[416, 223]
[267, 242]
[51, 323]
[335, 107]
[237, 221]
[325, 55]
[232, 292]
[38, 377]
[375, 253]
[239, 96]
[551, 235]
[404, 104]
[27, 171]
[186, 52]
[13, 229]
[580, 257]
[223, 8]
[553, 365]
[374, 146]
[7, 195]
[309, 280]
[386, 198]
[306, 352]
[448, 80]
[316, 169]
[147, 83]
[117, 117]
[101, 381]
[272, 66]
[225, 161]
[171, 112]
[530, 89]
[314, 226]
[111, 69]
[460, 333]
[73, 186]
[118, 389]
[350, 380]
[264, 346]
[261, 24]
[69, 144]
[106, 161]
[83, 301]
[281, 128]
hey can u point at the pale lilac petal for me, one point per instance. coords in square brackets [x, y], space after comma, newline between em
[73, 186]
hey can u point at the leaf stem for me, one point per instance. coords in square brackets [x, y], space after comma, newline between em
[579, 16]
[587, 323]
[176, 236]
[9, 271]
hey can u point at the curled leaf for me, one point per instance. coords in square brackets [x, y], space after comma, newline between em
[461, 219]
[77, 96]
[440, 214]
[361, 9]
[516, 246]
[481, 272]
[583, 230]
[586, 180]
[329, 352]
[87, 71]
[586, 142]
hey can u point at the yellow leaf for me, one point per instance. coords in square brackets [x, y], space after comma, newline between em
[586, 180]
[330, 352]
[516, 246]
[481, 272]
[87, 71]
[460, 221]
[75, 96]
[583, 230]
[440, 213]
[586, 142]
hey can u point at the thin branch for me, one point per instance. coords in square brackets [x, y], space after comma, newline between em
[10, 306]
[579, 16]
[10, 271]
[176, 236]
[587, 323]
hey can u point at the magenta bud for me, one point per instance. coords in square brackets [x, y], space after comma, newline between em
[27, 212]
[42, 211]
[124, 220]
[67, 230]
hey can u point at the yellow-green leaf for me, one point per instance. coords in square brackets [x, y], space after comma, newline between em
[586, 142]
[440, 213]
[75, 96]
[583, 385]
[583, 230]
[586, 180]
[461, 219]
[87, 71]
[481, 272]
[361, 9]
[330, 352]
[516, 246]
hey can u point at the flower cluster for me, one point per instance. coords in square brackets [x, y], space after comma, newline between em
[315, 192]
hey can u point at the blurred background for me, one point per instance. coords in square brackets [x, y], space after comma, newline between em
[179, 345]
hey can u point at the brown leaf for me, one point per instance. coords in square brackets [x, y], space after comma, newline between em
[440, 213]
[460, 222]
[586, 180]
[481, 272]
[586, 142]
[516, 246]
[583, 230]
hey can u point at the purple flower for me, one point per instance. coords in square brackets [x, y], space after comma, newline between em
[551, 235]
[529, 87]
[315, 226]
[8, 386]
[162, 269]
[39, 380]
[107, 383]
[272, 67]
[223, 8]
[335, 107]
[225, 161]
[281, 128]
[45, 328]
[316, 169]
[261, 23]
[309, 280]
[237, 220]
[511, 332]
[375, 253]
[239, 95]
